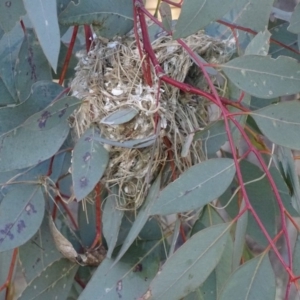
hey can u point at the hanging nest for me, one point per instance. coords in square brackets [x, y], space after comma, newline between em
[110, 81]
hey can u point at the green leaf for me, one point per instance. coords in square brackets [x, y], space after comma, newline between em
[196, 14]
[103, 15]
[55, 113]
[196, 258]
[31, 65]
[53, 283]
[213, 137]
[276, 120]
[260, 44]
[21, 214]
[253, 280]
[88, 164]
[10, 13]
[112, 220]
[141, 218]
[43, 16]
[42, 93]
[120, 116]
[264, 77]
[294, 22]
[5, 98]
[22, 148]
[10, 45]
[296, 257]
[128, 279]
[38, 253]
[195, 187]
[253, 14]
[166, 15]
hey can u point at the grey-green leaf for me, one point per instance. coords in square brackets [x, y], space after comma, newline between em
[21, 214]
[166, 15]
[260, 44]
[196, 258]
[43, 16]
[38, 253]
[103, 15]
[196, 14]
[199, 185]
[120, 116]
[10, 13]
[88, 164]
[53, 283]
[276, 120]
[264, 77]
[253, 280]
[295, 20]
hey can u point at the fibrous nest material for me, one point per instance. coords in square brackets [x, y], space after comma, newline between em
[110, 79]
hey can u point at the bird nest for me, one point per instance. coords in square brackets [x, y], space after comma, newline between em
[160, 118]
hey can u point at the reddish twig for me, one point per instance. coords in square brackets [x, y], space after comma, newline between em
[88, 37]
[98, 237]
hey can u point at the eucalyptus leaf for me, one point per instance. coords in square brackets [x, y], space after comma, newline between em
[120, 116]
[294, 22]
[166, 15]
[88, 163]
[264, 77]
[276, 120]
[43, 16]
[196, 258]
[21, 214]
[253, 280]
[195, 187]
[260, 44]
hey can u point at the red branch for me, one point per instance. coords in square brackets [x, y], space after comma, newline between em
[98, 201]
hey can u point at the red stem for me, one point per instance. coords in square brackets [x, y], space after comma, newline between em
[68, 56]
[98, 238]
[10, 272]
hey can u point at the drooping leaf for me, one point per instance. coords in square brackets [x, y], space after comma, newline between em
[141, 218]
[21, 214]
[276, 120]
[31, 65]
[38, 253]
[103, 15]
[196, 258]
[253, 14]
[253, 280]
[43, 16]
[264, 77]
[195, 187]
[88, 164]
[111, 219]
[294, 22]
[10, 45]
[10, 14]
[196, 14]
[166, 15]
[55, 113]
[213, 137]
[260, 44]
[22, 148]
[129, 278]
[53, 283]
[120, 116]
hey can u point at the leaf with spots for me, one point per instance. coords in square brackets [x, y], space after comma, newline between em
[191, 264]
[43, 16]
[103, 15]
[41, 95]
[10, 45]
[120, 116]
[129, 278]
[264, 77]
[31, 65]
[54, 282]
[21, 148]
[57, 112]
[21, 214]
[280, 123]
[199, 185]
[196, 14]
[38, 253]
[10, 13]
[89, 163]
[254, 280]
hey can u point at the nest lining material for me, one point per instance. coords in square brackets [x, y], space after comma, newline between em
[109, 78]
